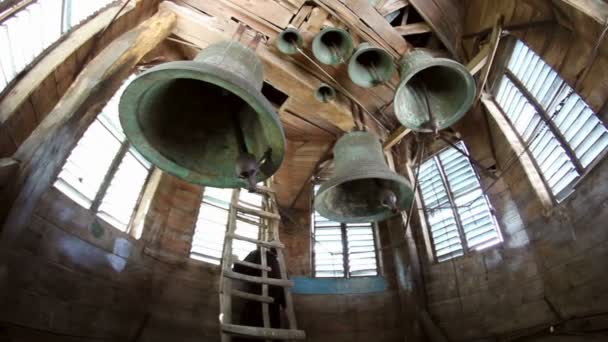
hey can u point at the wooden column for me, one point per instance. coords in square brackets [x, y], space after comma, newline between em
[44, 152]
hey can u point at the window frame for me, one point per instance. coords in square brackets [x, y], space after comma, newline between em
[344, 242]
[65, 27]
[110, 174]
[503, 72]
[450, 197]
[242, 222]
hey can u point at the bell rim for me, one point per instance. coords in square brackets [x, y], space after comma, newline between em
[383, 175]
[130, 102]
[364, 47]
[317, 39]
[433, 62]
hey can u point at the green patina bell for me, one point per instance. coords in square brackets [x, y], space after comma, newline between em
[325, 93]
[194, 119]
[332, 46]
[370, 66]
[363, 188]
[289, 41]
[434, 93]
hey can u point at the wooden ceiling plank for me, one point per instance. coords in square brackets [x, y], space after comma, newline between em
[416, 28]
[362, 19]
[201, 30]
[597, 10]
[391, 6]
[228, 10]
[441, 24]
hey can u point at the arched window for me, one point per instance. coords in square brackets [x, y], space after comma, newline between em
[458, 213]
[103, 172]
[29, 27]
[558, 128]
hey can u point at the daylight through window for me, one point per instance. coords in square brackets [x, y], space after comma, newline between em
[459, 214]
[563, 135]
[103, 172]
[343, 250]
[26, 33]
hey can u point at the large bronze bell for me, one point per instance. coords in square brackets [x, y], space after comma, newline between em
[362, 188]
[433, 93]
[206, 120]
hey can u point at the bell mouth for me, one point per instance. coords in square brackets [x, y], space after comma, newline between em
[360, 200]
[182, 117]
[450, 90]
[325, 93]
[289, 41]
[332, 46]
[371, 67]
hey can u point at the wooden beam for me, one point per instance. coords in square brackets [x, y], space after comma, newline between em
[491, 53]
[391, 6]
[445, 18]
[18, 95]
[409, 29]
[8, 169]
[537, 182]
[395, 137]
[44, 152]
[596, 9]
[479, 61]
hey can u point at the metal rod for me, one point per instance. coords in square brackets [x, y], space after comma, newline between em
[409, 215]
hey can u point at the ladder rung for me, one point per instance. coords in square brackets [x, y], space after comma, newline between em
[267, 244]
[260, 213]
[251, 296]
[258, 280]
[264, 333]
[252, 265]
[252, 222]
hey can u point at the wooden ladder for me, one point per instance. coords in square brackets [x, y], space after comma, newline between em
[269, 238]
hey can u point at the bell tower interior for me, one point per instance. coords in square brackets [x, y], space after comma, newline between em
[353, 170]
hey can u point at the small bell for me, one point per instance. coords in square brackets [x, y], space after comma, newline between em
[370, 66]
[289, 41]
[325, 93]
[332, 46]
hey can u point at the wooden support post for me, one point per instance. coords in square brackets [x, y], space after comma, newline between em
[225, 281]
[45, 151]
[395, 137]
[492, 47]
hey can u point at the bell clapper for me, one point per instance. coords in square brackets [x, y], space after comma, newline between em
[389, 200]
[247, 166]
[336, 52]
[432, 123]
